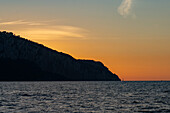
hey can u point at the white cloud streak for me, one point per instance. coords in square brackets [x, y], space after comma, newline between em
[20, 22]
[44, 30]
[124, 8]
[54, 33]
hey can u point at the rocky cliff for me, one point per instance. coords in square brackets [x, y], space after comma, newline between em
[24, 60]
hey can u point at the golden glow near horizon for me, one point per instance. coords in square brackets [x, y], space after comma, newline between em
[131, 37]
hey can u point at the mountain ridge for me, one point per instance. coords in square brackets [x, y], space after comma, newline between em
[45, 63]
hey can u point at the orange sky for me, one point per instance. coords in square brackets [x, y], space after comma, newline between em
[129, 64]
[132, 39]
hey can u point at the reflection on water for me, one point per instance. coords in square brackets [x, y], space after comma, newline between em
[84, 97]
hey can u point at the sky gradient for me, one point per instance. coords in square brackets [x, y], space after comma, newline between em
[131, 37]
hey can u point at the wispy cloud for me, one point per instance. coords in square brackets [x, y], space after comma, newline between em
[54, 33]
[20, 22]
[44, 30]
[124, 8]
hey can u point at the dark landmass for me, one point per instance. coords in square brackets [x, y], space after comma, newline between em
[24, 60]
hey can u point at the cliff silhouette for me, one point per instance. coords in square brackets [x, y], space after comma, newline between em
[24, 60]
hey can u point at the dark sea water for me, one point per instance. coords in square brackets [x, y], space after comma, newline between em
[99, 97]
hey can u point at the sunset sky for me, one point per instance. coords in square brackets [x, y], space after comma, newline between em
[131, 37]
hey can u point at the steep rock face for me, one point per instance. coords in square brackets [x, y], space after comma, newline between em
[21, 59]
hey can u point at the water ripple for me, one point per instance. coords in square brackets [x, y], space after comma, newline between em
[80, 97]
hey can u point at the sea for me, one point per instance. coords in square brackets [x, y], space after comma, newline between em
[85, 97]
